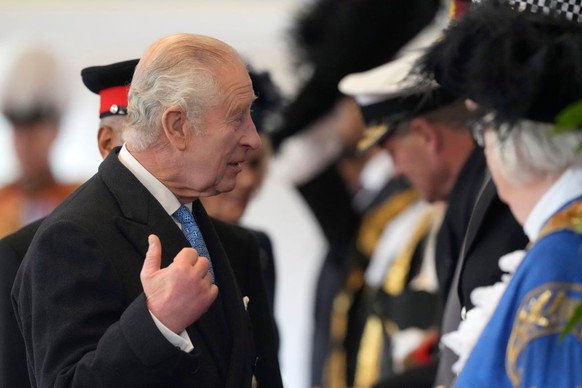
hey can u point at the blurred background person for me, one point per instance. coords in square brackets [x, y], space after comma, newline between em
[397, 310]
[34, 99]
[111, 82]
[230, 207]
[320, 126]
[424, 130]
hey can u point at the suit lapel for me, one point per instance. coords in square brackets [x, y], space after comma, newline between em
[237, 324]
[482, 205]
[142, 214]
[211, 327]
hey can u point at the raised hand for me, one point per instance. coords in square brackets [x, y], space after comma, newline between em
[181, 293]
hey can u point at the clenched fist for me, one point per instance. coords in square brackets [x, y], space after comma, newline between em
[180, 293]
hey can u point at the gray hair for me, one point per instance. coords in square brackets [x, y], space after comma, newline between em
[178, 70]
[531, 150]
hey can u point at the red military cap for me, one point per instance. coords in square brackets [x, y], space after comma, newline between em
[111, 82]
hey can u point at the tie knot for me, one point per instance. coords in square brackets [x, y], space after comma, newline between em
[192, 233]
[184, 215]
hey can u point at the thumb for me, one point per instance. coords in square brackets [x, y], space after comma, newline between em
[153, 258]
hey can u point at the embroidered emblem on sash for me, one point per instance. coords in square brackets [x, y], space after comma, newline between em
[543, 311]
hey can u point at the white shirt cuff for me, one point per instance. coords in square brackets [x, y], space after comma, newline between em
[182, 341]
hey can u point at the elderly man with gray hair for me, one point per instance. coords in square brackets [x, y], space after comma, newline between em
[92, 311]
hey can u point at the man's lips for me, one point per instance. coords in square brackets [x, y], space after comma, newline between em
[236, 166]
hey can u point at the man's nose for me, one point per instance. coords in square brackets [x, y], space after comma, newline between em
[253, 140]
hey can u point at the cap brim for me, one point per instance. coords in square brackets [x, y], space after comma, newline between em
[374, 135]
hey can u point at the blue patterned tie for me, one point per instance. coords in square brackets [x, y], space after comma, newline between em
[192, 232]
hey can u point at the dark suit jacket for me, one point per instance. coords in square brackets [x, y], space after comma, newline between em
[247, 269]
[461, 202]
[13, 371]
[82, 310]
[491, 233]
[267, 265]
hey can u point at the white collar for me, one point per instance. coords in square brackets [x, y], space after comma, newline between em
[160, 192]
[565, 189]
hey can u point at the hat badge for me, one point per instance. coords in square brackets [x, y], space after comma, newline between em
[372, 135]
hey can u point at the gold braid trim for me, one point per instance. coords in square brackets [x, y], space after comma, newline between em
[374, 222]
[371, 228]
[376, 329]
[569, 218]
[452, 9]
[395, 280]
[335, 366]
[371, 350]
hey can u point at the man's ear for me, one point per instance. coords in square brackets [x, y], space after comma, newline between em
[427, 132]
[105, 140]
[175, 124]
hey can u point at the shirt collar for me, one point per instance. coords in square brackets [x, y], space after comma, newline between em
[160, 192]
[565, 189]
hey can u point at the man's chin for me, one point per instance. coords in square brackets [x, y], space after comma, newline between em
[225, 186]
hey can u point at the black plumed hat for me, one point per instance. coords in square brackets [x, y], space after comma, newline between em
[267, 106]
[335, 38]
[519, 64]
